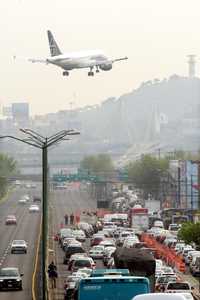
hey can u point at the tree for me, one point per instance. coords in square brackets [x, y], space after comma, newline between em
[190, 233]
[7, 168]
[146, 173]
[97, 163]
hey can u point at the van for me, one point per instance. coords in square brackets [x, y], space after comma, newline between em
[195, 266]
[111, 288]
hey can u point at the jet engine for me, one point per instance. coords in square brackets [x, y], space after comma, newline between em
[106, 67]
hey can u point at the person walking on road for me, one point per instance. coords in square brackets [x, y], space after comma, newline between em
[72, 219]
[66, 219]
[52, 271]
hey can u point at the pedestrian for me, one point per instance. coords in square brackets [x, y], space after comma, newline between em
[66, 219]
[52, 271]
[72, 219]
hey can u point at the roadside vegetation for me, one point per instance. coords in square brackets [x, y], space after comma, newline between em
[147, 172]
[8, 168]
[95, 164]
[190, 233]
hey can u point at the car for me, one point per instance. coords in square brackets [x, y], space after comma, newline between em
[36, 199]
[22, 201]
[96, 252]
[69, 285]
[79, 235]
[178, 287]
[83, 262]
[27, 197]
[107, 254]
[195, 266]
[73, 257]
[190, 255]
[84, 271]
[72, 249]
[10, 278]
[18, 246]
[96, 239]
[161, 296]
[66, 241]
[11, 220]
[130, 242]
[159, 266]
[34, 208]
[163, 280]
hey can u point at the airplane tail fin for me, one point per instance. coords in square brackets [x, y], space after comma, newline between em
[54, 49]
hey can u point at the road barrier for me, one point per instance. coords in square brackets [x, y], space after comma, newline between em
[165, 253]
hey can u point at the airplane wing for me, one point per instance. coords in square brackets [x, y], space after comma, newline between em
[109, 61]
[119, 59]
[33, 60]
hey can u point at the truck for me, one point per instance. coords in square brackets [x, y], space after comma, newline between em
[139, 262]
[112, 287]
[139, 218]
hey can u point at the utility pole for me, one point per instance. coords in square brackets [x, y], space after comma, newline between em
[38, 141]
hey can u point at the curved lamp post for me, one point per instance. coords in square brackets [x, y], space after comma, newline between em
[39, 141]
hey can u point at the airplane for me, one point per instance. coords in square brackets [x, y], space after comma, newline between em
[92, 59]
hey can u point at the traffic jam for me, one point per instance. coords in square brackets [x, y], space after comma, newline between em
[126, 253]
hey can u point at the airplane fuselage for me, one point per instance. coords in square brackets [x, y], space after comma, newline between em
[77, 60]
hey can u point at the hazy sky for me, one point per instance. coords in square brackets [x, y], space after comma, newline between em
[156, 35]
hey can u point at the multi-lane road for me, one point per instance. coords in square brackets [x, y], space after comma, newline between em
[71, 200]
[27, 229]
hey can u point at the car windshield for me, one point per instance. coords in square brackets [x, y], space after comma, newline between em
[178, 286]
[18, 242]
[8, 272]
[82, 263]
[165, 279]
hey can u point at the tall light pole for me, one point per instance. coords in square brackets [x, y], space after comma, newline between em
[39, 141]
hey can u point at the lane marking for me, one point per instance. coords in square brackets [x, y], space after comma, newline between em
[36, 262]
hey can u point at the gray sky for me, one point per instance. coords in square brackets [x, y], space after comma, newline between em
[156, 35]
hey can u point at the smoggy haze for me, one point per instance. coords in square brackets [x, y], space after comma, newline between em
[156, 36]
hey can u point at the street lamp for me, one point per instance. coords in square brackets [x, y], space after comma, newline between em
[39, 141]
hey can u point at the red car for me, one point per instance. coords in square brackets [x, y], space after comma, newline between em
[11, 220]
[96, 240]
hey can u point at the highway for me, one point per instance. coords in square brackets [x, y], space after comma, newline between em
[27, 229]
[68, 201]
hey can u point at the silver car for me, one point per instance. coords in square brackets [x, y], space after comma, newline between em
[18, 246]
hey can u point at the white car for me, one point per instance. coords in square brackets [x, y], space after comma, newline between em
[159, 266]
[130, 242]
[178, 287]
[22, 201]
[79, 235]
[161, 296]
[96, 252]
[107, 243]
[27, 197]
[34, 208]
[18, 246]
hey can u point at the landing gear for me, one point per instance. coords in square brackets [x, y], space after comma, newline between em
[65, 73]
[97, 69]
[90, 73]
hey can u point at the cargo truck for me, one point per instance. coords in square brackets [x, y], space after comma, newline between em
[139, 262]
